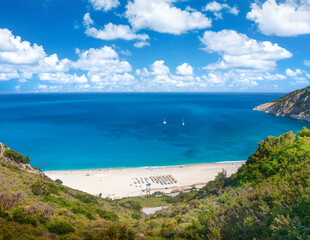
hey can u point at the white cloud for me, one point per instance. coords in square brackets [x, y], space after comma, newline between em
[288, 18]
[87, 20]
[218, 7]
[8, 76]
[42, 86]
[104, 5]
[63, 77]
[120, 79]
[141, 44]
[213, 79]
[292, 73]
[104, 60]
[240, 79]
[111, 31]
[15, 51]
[159, 78]
[307, 63]
[144, 72]
[239, 51]
[162, 16]
[185, 69]
[99, 69]
[159, 68]
[20, 59]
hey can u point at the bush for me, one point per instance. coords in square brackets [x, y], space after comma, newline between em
[19, 215]
[4, 214]
[15, 156]
[85, 210]
[305, 132]
[39, 189]
[60, 227]
[132, 204]
[86, 198]
[107, 215]
[116, 231]
[136, 215]
[58, 181]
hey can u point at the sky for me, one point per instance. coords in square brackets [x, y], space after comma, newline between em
[154, 45]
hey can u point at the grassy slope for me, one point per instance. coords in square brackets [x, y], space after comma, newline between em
[268, 198]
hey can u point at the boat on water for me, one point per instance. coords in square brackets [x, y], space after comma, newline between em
[164, 122]
[183, 122]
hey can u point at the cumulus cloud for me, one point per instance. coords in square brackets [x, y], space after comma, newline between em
[239, 51]
[291, 73]
[162, 16]
[159, 78]
[141, 44]
[104, 5]
[15, 51]
[213, 79]
[159, 68]
[120, 79]
[288, 18]
[101, 69]
[63, 77]
[104, 60]
[216, 8]
[239, 78]
[20, 59]
[185, 69]
[111, 31]
[307, 63]
[7, 76]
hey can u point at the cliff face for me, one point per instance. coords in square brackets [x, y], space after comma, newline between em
[295, 105]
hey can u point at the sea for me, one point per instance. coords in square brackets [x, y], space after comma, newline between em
[115, 130]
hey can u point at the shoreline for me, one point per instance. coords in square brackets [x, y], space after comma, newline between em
[117, 183]
[146, 167]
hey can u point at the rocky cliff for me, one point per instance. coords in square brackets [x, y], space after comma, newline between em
[295, 105]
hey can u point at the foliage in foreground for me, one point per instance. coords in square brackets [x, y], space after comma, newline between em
[268, 198]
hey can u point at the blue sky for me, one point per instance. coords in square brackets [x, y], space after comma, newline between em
[154, 46]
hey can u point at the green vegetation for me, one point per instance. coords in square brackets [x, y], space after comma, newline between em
[15, 156]
[268, 198]
[58, 181]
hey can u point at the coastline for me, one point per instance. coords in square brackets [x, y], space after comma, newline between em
[117, 183]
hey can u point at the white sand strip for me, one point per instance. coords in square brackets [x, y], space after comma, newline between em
[126, 182]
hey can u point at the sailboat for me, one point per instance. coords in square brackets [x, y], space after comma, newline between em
[164, 122]
[183, 122]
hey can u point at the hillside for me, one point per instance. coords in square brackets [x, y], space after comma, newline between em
[295, 105]
[268, 198]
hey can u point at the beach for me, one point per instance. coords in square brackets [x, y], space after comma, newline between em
[128, 182]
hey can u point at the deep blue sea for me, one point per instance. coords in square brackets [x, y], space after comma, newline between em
[97, 130]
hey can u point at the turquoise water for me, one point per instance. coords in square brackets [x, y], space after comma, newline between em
[82, 131]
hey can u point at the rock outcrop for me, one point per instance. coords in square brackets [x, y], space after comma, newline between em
[295, 105]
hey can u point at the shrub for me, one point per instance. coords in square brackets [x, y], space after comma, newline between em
[15, 156]
[108, 215]
[116, 232]
[86, 198]
[60, 227]
[4, 214]
[86, 211]
[136, 215]
[305, 132]
[39, 188]
[58, 181]
[19, 215]
[132, 204]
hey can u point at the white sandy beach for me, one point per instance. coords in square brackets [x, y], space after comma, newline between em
[126, 182]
